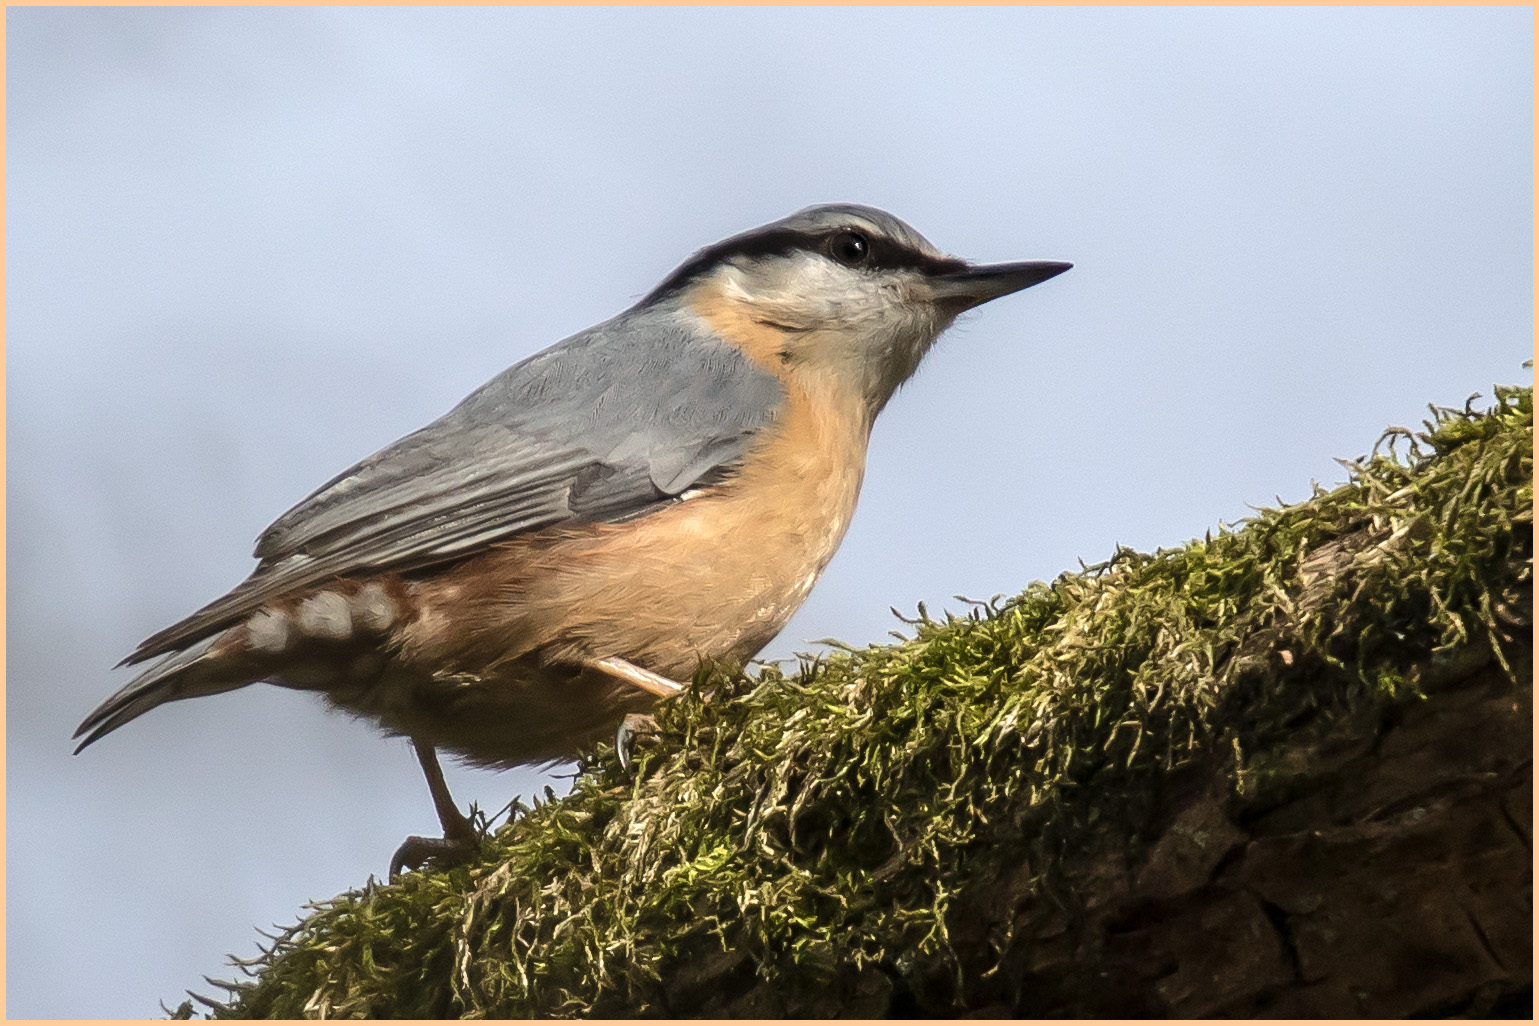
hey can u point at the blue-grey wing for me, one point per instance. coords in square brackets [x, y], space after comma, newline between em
[609, 424]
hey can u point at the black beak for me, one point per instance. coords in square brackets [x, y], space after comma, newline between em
[971, 286]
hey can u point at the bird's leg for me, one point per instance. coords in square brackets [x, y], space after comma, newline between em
[459, 837]
[630, 673]
[635, 723]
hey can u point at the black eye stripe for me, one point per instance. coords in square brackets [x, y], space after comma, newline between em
[885, 254]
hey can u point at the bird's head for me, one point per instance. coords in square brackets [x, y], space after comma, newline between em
[845, 293]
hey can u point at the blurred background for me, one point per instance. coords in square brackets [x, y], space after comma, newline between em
[247, 247]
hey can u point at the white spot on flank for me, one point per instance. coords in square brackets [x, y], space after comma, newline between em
[373, 608]
[267, 631]
[325, 616]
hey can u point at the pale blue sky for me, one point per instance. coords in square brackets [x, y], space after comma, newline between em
[248, 247]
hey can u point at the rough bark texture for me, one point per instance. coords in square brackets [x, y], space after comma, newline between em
[1387, 875]
[1283, 771]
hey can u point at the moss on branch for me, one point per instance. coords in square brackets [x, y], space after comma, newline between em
[971, 819]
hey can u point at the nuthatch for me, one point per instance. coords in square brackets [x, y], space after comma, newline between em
[550, 556]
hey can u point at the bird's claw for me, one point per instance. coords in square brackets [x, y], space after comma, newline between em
[415, 851]
[633, 726]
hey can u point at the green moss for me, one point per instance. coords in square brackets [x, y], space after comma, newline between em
[815, 823]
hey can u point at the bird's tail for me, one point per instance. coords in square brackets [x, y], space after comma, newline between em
[193, 671]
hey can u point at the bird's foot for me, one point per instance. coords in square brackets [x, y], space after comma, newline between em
[633, 726]
[415, 852]
[460, 839]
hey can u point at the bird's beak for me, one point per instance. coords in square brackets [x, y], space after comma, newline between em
[980, 283]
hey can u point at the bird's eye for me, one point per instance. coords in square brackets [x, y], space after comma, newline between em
[849, 248]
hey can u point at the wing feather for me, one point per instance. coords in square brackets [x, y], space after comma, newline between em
[607, 425]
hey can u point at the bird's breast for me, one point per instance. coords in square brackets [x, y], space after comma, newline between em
[710, 577]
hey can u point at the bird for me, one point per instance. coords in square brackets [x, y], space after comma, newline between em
[533, 571]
